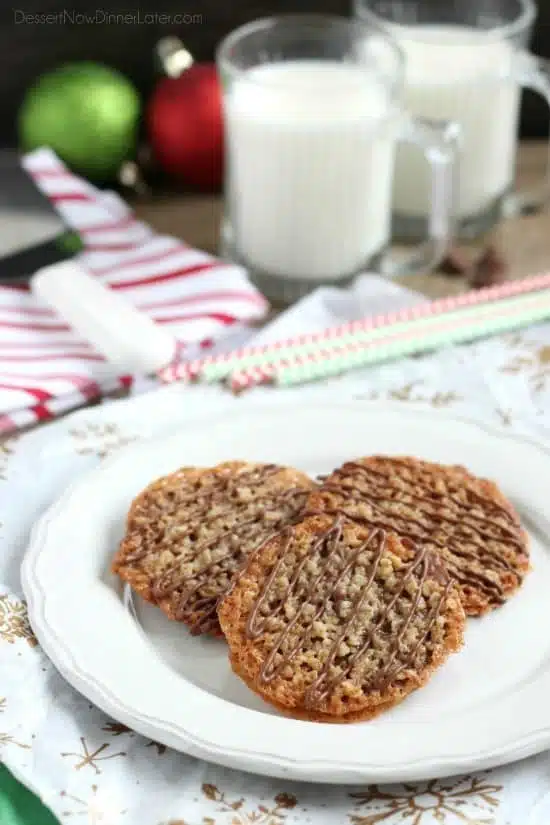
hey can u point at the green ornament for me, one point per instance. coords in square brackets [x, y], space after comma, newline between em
[87, 113]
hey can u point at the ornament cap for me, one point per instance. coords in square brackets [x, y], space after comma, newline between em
[130, 177]
[172, 57]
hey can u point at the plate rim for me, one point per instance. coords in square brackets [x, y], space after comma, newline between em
[258, 761]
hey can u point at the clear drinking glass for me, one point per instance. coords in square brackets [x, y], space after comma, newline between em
[313, 116]
[467, 62]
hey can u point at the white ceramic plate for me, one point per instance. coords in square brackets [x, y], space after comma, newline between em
[488, 705]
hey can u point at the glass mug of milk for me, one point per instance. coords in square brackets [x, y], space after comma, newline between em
[313, 116]
[466, 61]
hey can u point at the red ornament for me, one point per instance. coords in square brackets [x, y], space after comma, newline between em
[185, 126]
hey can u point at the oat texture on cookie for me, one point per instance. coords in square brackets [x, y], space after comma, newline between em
[190, 532]
[335, 621]
[465, 519]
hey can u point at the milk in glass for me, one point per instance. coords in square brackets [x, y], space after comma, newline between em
[311, 148]
[465, 75]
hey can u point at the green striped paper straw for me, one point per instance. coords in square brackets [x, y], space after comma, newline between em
[217, 368]
[398, 341]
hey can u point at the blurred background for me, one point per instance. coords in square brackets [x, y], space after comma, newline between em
[28, 49]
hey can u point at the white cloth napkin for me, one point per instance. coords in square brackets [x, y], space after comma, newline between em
[327, 306]
[90, 770]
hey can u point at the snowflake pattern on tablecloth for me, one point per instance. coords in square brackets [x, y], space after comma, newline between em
[94, 808]
[8, 738]
[14, 622]
[6, 452]
[532, 359]
[100, 440]
[117, 729]
[242, 813]
[412, 391]
[465, 801]
[87, 757]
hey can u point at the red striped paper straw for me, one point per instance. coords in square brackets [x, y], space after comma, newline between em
[417, 336]
[215, 368]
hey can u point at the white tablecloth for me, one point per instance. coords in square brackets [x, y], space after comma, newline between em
[90, 770]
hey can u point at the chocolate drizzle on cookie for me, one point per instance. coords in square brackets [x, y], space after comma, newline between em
[208, 496]
[479, 539]
[334, 565]
[209, 525]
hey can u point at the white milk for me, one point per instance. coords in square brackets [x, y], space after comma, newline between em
[311, 147]
[461, 74]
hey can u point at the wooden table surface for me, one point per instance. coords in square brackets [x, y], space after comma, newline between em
[524, 242]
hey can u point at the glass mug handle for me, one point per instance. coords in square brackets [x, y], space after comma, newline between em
[532, 73]
[439, 141]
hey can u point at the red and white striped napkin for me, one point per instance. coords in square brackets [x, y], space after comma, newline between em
[45, 368]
